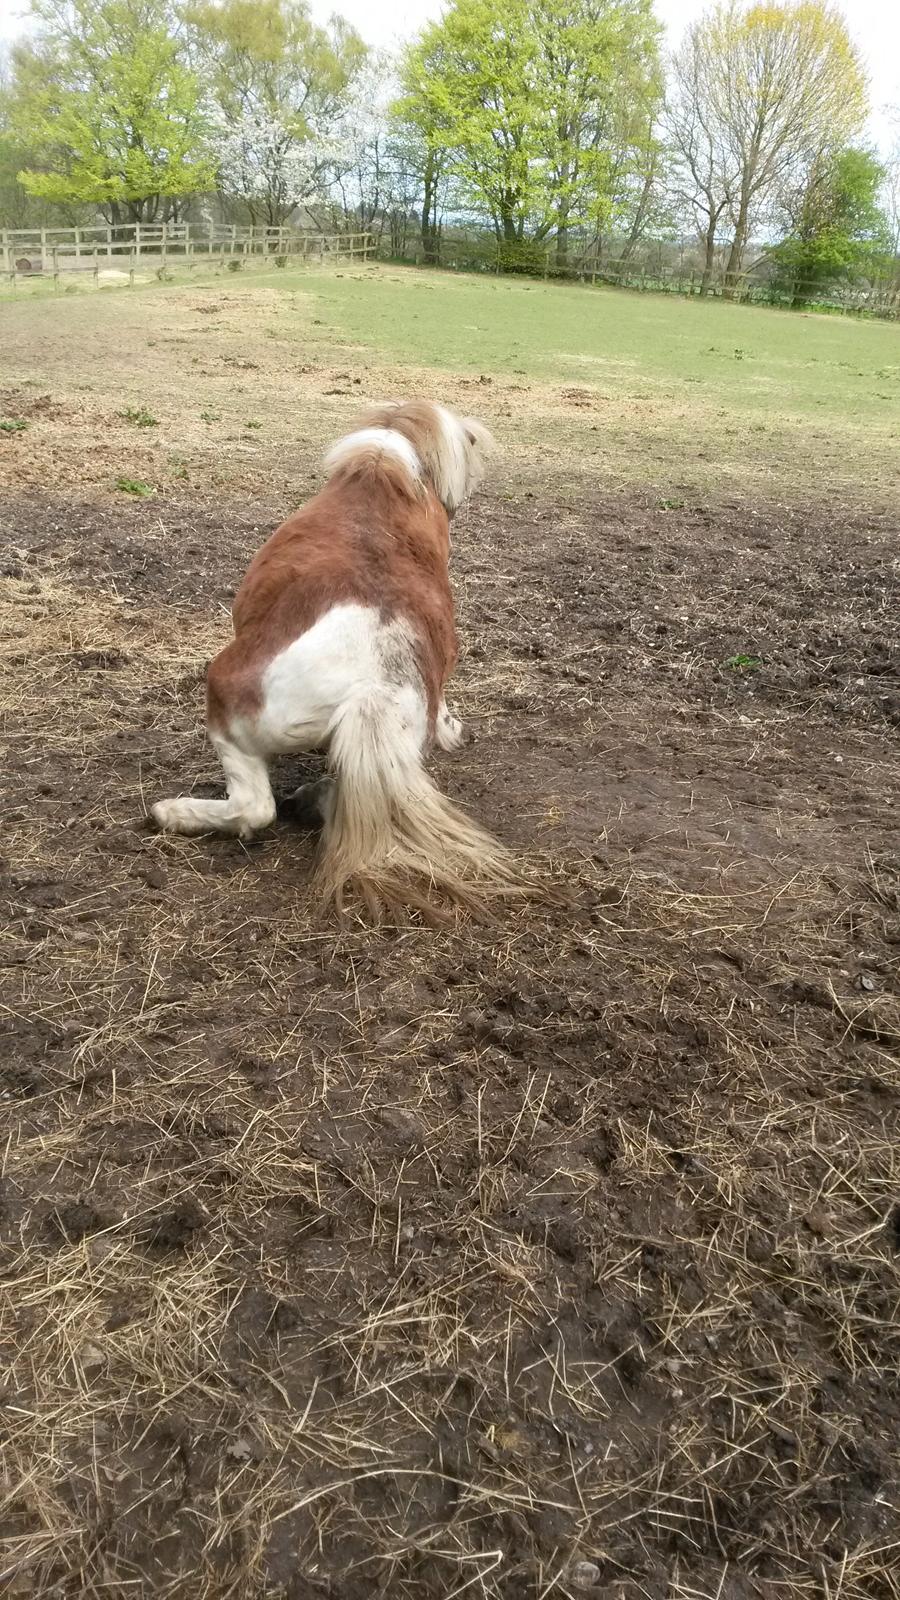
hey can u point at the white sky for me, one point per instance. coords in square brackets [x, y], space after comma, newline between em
[874, 24]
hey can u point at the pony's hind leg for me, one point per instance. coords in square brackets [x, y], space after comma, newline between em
[311, 805]
[449, 733]
[250, 804]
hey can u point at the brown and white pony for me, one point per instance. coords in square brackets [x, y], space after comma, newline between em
[344, 640]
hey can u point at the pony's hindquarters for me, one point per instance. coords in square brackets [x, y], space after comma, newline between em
[389, 836]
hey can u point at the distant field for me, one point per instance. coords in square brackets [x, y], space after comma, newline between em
[680, 395]
[547, 1259]
[747, 359]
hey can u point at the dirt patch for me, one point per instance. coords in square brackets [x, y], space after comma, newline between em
[558, 1257]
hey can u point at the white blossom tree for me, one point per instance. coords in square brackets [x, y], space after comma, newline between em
[269, 166]
[371, 179]
[277, 84]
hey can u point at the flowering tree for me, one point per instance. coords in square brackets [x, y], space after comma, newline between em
[269, 166]
[278, 84]
[371, 177]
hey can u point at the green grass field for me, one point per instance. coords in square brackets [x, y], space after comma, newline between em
[746, 359]
[681, 395]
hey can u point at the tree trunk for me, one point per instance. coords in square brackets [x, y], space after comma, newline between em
[431, 233]
[562, 218]
[637, 226]
[709, 256]
[736, 253]
[803, 288]
[144, 210]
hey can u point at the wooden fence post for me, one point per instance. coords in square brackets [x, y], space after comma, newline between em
[55, 260]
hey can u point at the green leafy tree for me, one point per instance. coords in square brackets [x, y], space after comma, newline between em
[839, 230]
[17, 208]
[638, 200]
[597, 83]
[111, 111]
[535, 102]
[421, 132]
[430, 186]
[468, 83]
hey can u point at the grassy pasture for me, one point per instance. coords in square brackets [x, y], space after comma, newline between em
[553, 1258]
[685, 393]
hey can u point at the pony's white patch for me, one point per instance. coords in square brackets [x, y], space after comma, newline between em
[350, 663]
[366, 440]
[349, 655]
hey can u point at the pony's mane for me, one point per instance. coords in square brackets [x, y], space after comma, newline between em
[446, 451]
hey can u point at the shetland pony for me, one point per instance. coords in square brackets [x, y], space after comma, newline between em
[344, 640]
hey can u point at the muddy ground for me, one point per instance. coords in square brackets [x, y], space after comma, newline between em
[558, 1257]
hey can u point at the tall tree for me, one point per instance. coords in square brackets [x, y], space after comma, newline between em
[636, 187]
[528, 97]
[369, 174]
[107, 104]
[838, 229]
[782, 83]
[469, 80]
[425, 187]
[278, 83]
[17, 208]
[597, 81]
[704, 173]
[890, 201]
[422, 129]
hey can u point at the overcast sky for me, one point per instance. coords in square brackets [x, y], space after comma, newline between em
[874, 24]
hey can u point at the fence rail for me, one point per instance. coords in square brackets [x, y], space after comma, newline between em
[49, 252]
[529, 259]
[121, 251]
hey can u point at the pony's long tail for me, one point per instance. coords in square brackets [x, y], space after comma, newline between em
[389, 836]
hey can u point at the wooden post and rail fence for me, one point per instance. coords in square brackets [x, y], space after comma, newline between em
[122, 251]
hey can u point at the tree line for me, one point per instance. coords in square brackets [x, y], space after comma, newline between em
[556, 126]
